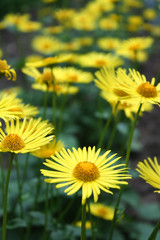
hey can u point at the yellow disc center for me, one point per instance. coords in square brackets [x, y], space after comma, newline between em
[47, 77]
[3, 65]
[12, 142]
[147, 90]
[86, 171]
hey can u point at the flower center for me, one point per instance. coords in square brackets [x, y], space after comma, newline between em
[3, 65]
[100, 62]
[86, 171]
[147, 90]
[120, 93]
[102, 212]
[12, 142]
[47, 77]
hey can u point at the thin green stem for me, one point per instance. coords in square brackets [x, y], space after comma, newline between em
[91, 220]
[83, 222]
[61, 113]
[106, 128]
[155, 231]
[45, 103]
[5, 198]
[54, 101]
[2, 174]
[126, 163]
[46, 214]
[116, 120]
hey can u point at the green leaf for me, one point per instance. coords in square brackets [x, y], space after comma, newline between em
[16, 223]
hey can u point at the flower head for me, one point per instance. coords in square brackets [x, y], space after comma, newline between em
[49, 149]
[24, 137]
[102, 211]
[150, 171]
[85, 169]
[6, 71]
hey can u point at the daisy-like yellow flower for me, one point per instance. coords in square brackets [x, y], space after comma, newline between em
[97, 60]
[6, 71]
[134, 48]
[49, 149]
[102, 211]
[24, 137]
[46, 77]
[150, 171]
[138, 89]
[71, 75]
[58, 88]
[8, 102]
[108, 24]
[85, 169]
[132, 87]
[46, 44]
[29, 26]
[25, 110]
[49, 61]
[108, 44]
[129, 109]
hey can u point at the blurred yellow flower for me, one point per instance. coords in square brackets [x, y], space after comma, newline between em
[29, 26]
[46, 44]
[6, 71]
[102, 211]
[87, 224]
[25, 137]
[49, 149]
[85, 169]
[133, 48]
[49, 61]
[97, 60]
[149, 14]
[108, 24]
[150, 171]
[108, 43]
[71, 75]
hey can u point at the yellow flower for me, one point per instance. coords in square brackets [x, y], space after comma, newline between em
[58, 88]
[64, 16]
[46, 44]
[84, 20]
[33, 58]
[108, 83]
[97, 60]
[150, 172]
[49, 149]
[46, 77]
[108, 24]
[29, 26]
[102, 211]
[53, 30]
[24, 137]
[49, 61]
[133, 47]
[85, 169]
[8, 102]
[12, 19]
[149, 14]
[5, 70]
[138, 89]
[71, 75]
[130, 109]
[108, 43]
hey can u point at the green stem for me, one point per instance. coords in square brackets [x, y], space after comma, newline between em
[46, 213]
[61, 114]
[83, 222]
[91, 220]
[5, 198]
[2, 174]
[126, 163]
[106, 128]
[45, 103]
[155, 230]
[116, 120]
